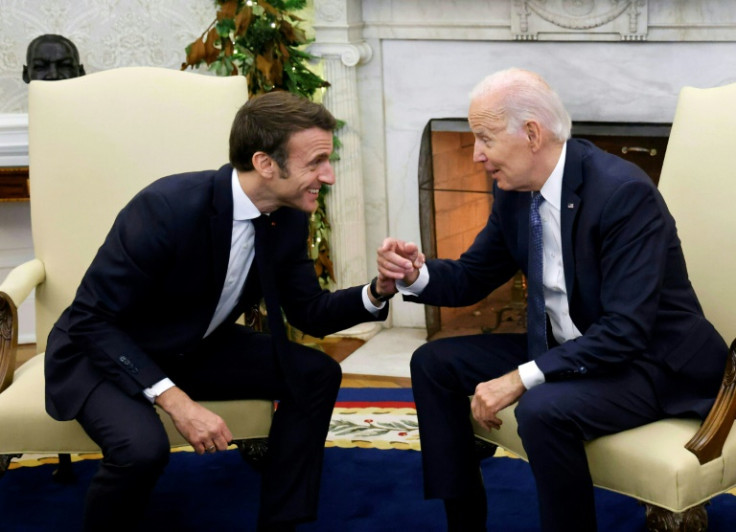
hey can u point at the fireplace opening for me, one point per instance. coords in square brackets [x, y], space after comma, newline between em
[456, 197]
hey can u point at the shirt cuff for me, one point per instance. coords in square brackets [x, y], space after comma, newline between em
[531, 375]
[368, 304]
[157, 389]
[415, 288]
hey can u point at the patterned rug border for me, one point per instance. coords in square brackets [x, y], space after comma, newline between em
[374, 427]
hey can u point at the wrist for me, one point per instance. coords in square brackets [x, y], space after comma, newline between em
[172, 400]
[152, 392]
[372, 288]
[411, 277]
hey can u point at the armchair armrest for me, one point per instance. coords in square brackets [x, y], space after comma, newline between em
[13, 291]
[707, 443]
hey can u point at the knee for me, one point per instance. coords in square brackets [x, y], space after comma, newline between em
[429, 362]
[332, 372]
[147, 453]
[319, 369]
[538, 412]
[423, 360]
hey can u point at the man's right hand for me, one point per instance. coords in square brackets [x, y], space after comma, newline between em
[203, 429]
[399, 260]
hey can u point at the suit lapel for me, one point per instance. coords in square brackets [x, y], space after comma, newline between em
[221, 226]
[572, 180]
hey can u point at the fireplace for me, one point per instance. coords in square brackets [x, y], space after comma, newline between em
[455, 200]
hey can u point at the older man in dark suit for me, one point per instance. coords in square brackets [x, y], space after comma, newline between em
[154, 319]
[616, 336]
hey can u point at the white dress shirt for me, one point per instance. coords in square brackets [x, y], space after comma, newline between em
[555, 290]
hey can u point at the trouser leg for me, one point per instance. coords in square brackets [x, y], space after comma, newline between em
[240, 365]
[444, 374]
[293, 469]
[135, 451]
[556, 418]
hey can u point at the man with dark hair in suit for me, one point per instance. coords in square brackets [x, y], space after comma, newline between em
[616, 337]
[52, 57]
[154, 319]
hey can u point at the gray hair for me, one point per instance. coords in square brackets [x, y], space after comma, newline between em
[526, 96]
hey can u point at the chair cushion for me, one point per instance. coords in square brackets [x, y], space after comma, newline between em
[25, 427]
[649, 463]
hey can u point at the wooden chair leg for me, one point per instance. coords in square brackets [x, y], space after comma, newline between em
[64, 474]
[694, 519]
[253, 451]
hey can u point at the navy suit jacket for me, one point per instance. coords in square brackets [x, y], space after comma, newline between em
[628, 288]
[153, 286]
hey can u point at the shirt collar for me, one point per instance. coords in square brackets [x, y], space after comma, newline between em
[552, 188]
[243, 207]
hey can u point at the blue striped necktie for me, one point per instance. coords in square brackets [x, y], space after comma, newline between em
[536, 317]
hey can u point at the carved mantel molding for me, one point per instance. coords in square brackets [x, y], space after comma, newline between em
[550, 20]
[567, 19]
[350, 54]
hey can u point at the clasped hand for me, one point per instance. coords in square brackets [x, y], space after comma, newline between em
[398, 261]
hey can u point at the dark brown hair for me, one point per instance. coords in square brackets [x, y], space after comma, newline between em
[267, 121]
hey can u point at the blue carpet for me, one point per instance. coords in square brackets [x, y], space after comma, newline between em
[376, 395]
[362, 490]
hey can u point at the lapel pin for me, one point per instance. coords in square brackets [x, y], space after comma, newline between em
[570, 205]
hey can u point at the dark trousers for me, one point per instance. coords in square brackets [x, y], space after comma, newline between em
[233, 363]
[554, 420]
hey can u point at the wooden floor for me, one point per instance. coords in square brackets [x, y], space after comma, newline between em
[337, 348]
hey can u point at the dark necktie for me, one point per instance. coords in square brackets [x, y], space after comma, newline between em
[264, 261]
[536, 317]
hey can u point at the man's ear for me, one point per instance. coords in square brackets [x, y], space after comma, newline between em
[26, 77]
[533, 132]
[263, 164]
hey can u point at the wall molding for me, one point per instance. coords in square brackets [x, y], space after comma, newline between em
[550, 20]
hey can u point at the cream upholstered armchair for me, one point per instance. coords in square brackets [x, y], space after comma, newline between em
[94, 142]
[674, 466]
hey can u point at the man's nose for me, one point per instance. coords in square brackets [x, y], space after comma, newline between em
[478, 156]
[52, 73]
[328, 175]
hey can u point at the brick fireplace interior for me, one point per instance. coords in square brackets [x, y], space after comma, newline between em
[455, 197]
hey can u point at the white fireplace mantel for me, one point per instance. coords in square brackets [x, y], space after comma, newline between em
[610, 60]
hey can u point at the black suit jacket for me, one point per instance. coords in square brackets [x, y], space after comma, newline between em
[628, 288]
[153, 286]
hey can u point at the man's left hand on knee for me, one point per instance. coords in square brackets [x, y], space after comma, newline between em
[493, 396]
